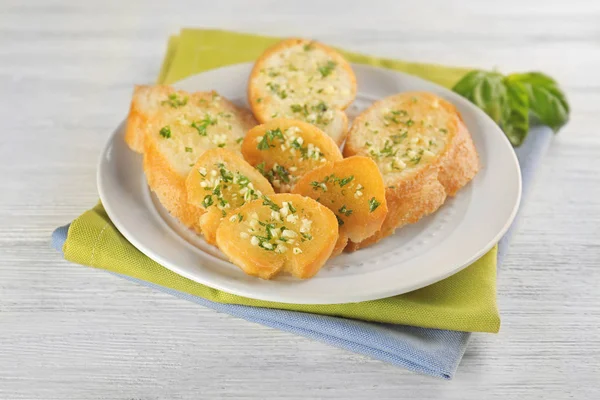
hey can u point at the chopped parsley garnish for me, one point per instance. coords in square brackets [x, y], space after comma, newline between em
[296, 107]
[225, 174]
[308, 46]
[208, 201]
[340, 222]
[261, 167]
[174, 101]
[320, 107]
[373, 204]
[239, 140]
[165, 132]
[345, 181]
[268, 138]
[221, 145]
[333, 180]
[263, 144]
[292, 208]
[259, 100]
[327, 69]
[388, 150]
[306, 236]
[410, 122]
[201, 126]
[276, 88]
[270, 203]
[273, 86]
[343, 210]
[399, 137]
[189, 149]
[282, 173]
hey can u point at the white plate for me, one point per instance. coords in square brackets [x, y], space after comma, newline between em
[464, 229]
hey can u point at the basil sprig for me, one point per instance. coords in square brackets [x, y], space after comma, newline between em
[511, 100]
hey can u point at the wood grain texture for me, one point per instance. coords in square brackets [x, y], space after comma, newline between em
[69, 332]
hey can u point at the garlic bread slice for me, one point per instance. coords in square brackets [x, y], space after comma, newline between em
[285, 149]
[306, 80]
[282, 232]
[219, 183]
[423, 150]
[353, 189]
[175, 141]
[145, 103]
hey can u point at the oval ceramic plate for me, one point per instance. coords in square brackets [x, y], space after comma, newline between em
[440, 245]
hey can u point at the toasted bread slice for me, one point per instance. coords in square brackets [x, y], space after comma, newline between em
[175, 141]
[353, 189]
[145, 103]
[423, 150]
[285, 149]
[306, 80]
[283, 232]
[219, 183]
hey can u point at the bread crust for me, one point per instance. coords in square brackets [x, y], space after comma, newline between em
[425, 190]
[255, 92]
[169, 186]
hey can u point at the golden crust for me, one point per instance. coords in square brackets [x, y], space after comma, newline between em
[340, 245]
[169, 186]
[260, 100]
[209, 221]
[256, 261]
[353, 189]
[461, 162]
[422, 191]
[290, 159]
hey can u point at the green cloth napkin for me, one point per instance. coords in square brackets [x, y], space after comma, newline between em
[465, 301]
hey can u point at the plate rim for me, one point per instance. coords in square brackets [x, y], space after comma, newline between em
[288, 299]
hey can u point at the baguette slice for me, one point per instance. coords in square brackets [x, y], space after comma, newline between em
[283, 232]
[285, 149]
[219, 183]
[303, 79]
[175, 141]
[353, 189]
[423, 149]
[145, 103]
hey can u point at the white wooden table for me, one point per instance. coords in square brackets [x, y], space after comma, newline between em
[69, 332]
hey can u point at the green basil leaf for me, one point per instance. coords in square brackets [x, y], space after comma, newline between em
[546, 101]
[487, 91]
[516, 124]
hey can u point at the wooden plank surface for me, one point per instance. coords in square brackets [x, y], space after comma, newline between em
[69, 332]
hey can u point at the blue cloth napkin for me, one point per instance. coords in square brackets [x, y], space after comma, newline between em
[429, 351]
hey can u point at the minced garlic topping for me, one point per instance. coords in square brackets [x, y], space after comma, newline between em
[302, 156]
[226, 190]
[306, 83]
[282, 231]
[399, 140]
